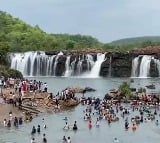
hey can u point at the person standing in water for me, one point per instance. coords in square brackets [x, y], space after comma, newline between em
[97, 123]
[68, 140]
[38, 129]
[75, 126]
[33, 140]
[44, 138]
[66, 127]
[90, 124]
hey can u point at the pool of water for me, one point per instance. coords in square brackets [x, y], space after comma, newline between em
[145, 133]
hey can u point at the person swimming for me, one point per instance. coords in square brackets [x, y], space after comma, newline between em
[64, 139]
[65, 118]
[116, 140]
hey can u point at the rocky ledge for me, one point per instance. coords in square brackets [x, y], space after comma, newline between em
[116, 64]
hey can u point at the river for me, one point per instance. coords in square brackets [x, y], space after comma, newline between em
[145, 133]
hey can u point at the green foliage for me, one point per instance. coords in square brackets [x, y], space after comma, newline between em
[134, 43]
[23, 37]
[3, 53]
[137, 41]
[7, 72]
[125, 89]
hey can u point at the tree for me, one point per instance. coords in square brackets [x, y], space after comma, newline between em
[3, 53]
[70, 45]
[125, 89]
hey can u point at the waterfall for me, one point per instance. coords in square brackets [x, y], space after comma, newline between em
[51, 64]
[79, 66]
[90, 61]
[158, 65]
[33, 63]
[39, 64]
[96, 68]
[145, 66]
[68, 67]
[55, 65]
[73, 66]
[20, 62]
[135, 68]
[141, 66]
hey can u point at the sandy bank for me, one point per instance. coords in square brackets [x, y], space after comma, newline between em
[6, 108]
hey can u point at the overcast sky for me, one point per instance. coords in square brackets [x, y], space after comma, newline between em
[107, 20]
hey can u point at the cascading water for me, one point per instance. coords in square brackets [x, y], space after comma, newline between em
[40, 64]
[90, 61]
[79, 66]
[145, 66]
[96, 68]
[141, 66]
[135, 69]
[33, 63]
[68, 67]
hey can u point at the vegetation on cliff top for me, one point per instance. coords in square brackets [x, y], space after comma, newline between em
[20, 37]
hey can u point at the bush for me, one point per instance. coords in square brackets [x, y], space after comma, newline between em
[141, 90]
[7, 72]
[125, 89]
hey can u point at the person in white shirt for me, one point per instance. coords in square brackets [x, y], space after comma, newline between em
[33, 140]
[66, 127]
[5, 123]
[10, 116]
[68, 140]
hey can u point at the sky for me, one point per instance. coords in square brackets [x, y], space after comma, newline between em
[107, 20]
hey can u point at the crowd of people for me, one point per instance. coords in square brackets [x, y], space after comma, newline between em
[133, 114]
[145, 107]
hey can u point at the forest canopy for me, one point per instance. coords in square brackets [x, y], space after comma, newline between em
[17, 36]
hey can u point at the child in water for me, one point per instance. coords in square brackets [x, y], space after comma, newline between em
[90, 124]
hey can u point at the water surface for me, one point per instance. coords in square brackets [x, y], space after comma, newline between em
[145, 133]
